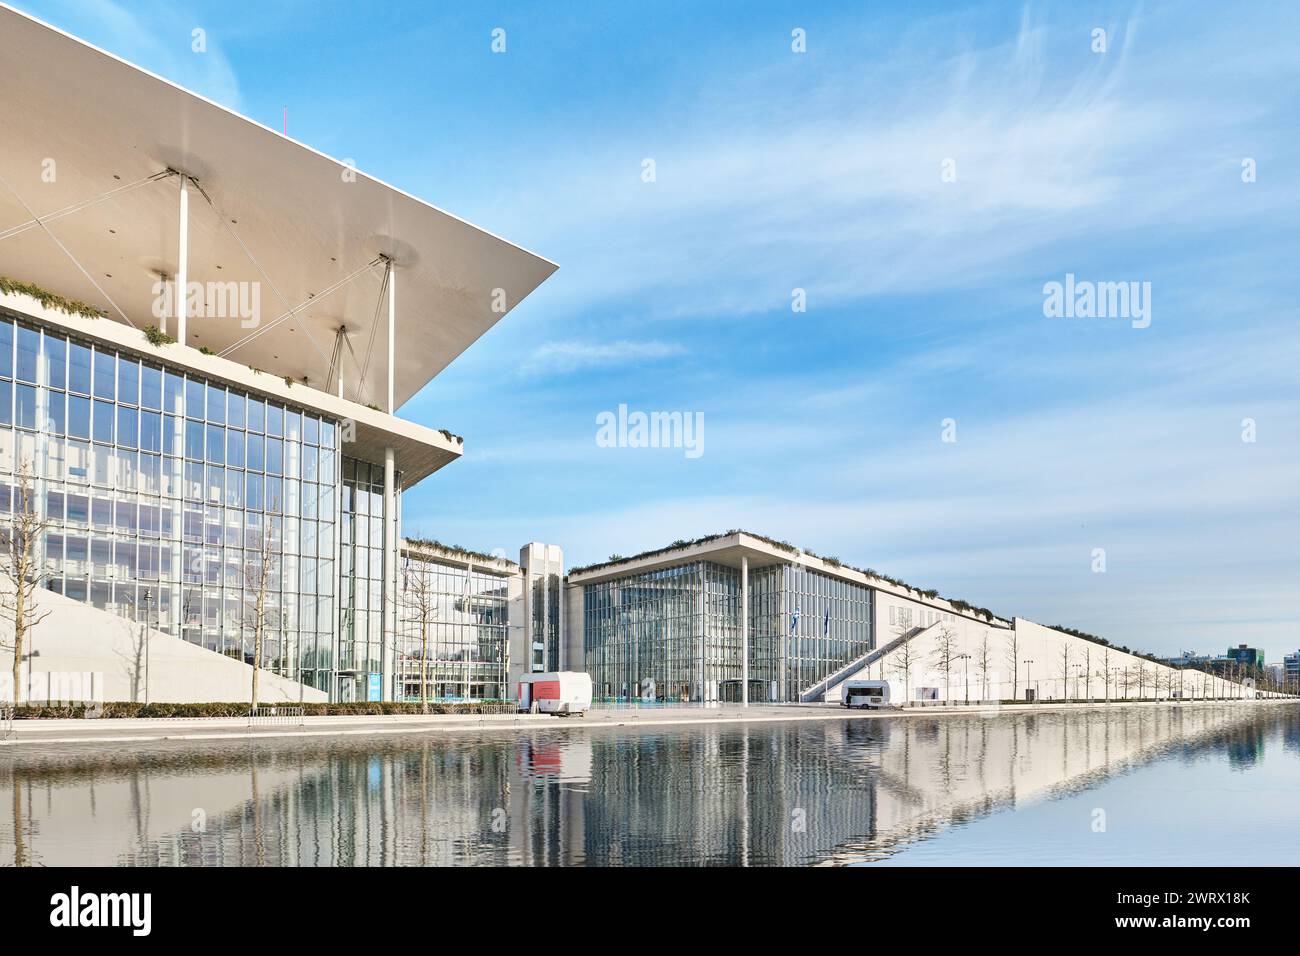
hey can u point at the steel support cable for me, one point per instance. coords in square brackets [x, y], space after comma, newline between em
[84, 204]
[334, 355]
[298, 308]
[225, 224]
[374, 324]
[355, 361]
[67, 253]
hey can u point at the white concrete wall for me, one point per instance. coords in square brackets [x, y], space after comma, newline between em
[1043, 655]
[79, 639]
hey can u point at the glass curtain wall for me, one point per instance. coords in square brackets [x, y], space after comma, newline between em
[666, 635]
[537, 626]
[674, 634]
[553, 589]
[465, 651]
[361, 581]
[827, 625]
[767, 631]
[161, 490]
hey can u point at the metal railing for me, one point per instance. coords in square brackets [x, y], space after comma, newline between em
[491, 707]
[277, 716]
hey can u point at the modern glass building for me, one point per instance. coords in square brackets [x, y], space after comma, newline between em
[206, 333]
[670, 634]
[821, 623]
[675, 632]
[739, 617]
[161, 490]
[454, 626]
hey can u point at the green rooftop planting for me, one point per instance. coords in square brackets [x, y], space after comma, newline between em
[157, 336]
[49, 299]
[786, 546]
[454, 550]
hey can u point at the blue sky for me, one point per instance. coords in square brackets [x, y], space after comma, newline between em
[822, 171]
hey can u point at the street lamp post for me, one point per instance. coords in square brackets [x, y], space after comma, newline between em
[1029, 664]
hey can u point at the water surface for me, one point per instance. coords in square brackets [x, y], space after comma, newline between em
[1144, 785]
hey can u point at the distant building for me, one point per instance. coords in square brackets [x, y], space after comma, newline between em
[1239, 661]
[1201, 662]
[1291, 669]
[1248, 658]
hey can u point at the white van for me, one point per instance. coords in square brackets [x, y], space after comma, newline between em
[866, 693]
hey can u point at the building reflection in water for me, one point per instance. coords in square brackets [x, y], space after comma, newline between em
[760, 794]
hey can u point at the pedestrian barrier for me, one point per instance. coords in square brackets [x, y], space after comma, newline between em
[277, 716]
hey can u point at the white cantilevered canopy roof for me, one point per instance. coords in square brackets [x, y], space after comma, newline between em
[262, 209]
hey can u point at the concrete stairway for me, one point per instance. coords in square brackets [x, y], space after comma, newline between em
[819, 690]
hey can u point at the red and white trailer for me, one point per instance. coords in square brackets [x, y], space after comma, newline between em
[559, 692]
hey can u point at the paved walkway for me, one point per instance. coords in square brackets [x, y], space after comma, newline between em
[34, 733]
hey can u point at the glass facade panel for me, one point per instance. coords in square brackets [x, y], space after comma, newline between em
[362, 601]
[147, 513]
[674, 634]
[453, 623]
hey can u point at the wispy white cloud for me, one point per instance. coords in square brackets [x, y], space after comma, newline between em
[836, 188]
[562, 357]
[925, 303]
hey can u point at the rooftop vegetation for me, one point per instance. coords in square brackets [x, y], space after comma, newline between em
[156, 336]
[455, 550]
[49, 299]
[1085, 636]
[615, 559]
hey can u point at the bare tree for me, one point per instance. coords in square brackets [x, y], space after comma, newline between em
[1065, 670]
[133, 658]
[1087, 671]
[22, 569]
[419, 601]
[984, 665]
[1144, 677]
[260, 570]
[1013, 658]
[903, 660]
[944, 653]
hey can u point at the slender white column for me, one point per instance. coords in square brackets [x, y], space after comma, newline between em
[704, 626]
[182, 261]
[392, 331]
[389, 652]
[744, 631]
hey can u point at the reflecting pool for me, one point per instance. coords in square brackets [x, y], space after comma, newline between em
[1146, 785]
